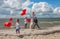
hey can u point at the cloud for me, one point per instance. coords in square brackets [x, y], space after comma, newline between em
[1, 2]
[56, 10]
[42, 7]
[2, 16]
[28, 10]
[4, 12]
[27, 3]
[15, 5]
[45, 10]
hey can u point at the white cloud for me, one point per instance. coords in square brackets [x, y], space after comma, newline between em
[40, 13]
[28, 10]
[11, 5]
[56, 10]
[27, 3]
[3, 16]
[42, 7]
[17, 3]
[11, 11]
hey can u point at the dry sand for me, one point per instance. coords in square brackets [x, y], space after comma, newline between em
[49, 33]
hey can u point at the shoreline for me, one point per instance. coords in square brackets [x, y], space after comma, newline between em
[53, 32]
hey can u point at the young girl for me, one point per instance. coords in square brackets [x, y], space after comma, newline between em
[17, 26]
[25, 22]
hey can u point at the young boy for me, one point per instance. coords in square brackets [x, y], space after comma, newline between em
[35, 20]
[17, 26]
[25, 22]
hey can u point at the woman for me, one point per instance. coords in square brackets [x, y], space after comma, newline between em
[32, 20]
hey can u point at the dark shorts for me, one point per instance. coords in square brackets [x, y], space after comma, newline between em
[17, 29]
[25, 25]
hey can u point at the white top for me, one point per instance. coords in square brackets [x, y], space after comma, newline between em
[17, 25]
[25, 21]
[32, 17]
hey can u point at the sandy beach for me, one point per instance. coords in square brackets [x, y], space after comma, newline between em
[49, 33]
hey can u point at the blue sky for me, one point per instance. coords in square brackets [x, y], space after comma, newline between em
[55, 3]
[42, 8]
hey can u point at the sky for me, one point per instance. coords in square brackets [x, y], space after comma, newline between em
[42, 8]
[55, 3]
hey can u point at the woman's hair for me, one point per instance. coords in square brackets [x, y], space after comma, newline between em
[33, 12]
[17, 20]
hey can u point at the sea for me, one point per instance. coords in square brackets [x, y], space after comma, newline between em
[42, 22]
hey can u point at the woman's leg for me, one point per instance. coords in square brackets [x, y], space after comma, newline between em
[31, 25]
[34, 25]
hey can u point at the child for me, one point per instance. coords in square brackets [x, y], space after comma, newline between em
[36, 22]
[25, 22]
[17, 26]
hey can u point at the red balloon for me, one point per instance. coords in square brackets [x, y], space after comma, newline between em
[7, 24]
[28, 20]
[10, 19]
[23, 12]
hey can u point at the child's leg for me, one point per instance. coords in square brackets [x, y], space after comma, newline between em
[17, 31]
[37, 25]
[25, 25]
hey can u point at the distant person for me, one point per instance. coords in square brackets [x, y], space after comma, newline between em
[25, 22]
[17, 26]
[32, 20]
[36, 22]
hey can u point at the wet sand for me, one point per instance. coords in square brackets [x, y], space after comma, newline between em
[49, 33]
